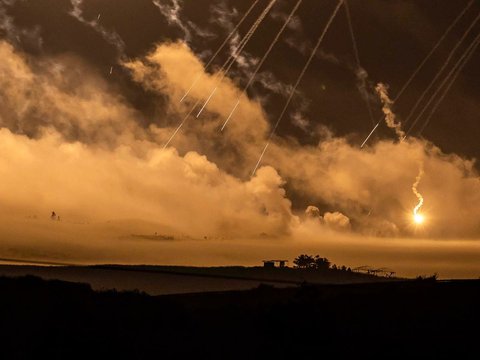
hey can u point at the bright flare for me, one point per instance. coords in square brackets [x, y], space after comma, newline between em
[418, 219]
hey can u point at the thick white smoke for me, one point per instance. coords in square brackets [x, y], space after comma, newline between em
[70, 144]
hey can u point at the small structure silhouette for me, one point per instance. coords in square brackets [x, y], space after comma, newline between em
[53, 216]
[272, 263]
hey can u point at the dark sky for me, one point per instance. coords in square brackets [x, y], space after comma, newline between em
[393, 37]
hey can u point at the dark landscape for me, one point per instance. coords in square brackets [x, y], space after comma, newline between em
[163, 280]
[397, 319]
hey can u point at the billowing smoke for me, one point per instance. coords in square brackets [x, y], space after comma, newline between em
[70, 144]
[333, 220]
[77, 112]
[336, 221]
[87, 158]
[313, 212]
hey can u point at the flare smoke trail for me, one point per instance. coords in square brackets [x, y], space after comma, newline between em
[262, 61]
[442, 69]
[225, 42]
[453, 75]
[172, 14]
[362, 79]
[6, 23]
[225, 69]
[300, 77]
[422, 64]
[110, 36]
[390, 120]
[415, 191]
[228, 64]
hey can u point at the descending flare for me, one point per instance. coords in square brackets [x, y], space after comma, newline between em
[417, 217]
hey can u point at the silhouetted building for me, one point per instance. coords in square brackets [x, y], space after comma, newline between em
[272, 263]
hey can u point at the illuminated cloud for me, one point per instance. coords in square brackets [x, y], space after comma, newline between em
[313, 212]
[83, 144]
[336, 221]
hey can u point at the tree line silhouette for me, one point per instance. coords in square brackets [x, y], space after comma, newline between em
[316, 262]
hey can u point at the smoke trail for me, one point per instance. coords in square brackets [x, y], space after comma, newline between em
[229, 63]
[225, 42]
[250, 33]
[453, 75]
[109, 36]
[262, 61]
[15, 34]
[300, 77]
[422, 64]
[442, 69]
[246, 38]
[415, 191]
[390, 120]
[360, 73]
[172, 14]
[6, 22]
[227, 39]
[369, 135]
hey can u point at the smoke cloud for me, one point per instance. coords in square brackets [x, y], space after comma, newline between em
[69, 143]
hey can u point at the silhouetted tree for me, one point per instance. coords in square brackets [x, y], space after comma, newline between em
[311, 262]
[433, 277]
[304, 262]
[321, 263]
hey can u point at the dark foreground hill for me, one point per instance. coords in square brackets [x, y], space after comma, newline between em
[55, 319]
[163, 280]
